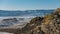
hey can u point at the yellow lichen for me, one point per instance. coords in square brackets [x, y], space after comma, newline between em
[48, 18]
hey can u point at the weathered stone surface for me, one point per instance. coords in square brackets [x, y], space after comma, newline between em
[50, 24]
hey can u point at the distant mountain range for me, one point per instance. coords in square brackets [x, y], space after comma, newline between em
[25, 13]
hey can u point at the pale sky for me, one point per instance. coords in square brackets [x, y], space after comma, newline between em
[28, 4]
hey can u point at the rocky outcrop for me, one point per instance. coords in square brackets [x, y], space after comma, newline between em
[51, 23]
[32, 27]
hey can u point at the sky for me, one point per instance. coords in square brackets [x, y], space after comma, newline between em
[29, 4]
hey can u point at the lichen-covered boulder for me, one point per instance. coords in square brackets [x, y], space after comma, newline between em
[51, 23]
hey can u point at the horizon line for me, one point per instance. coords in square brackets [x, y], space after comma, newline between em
[24, 9]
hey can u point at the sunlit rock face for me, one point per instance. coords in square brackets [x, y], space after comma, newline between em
[51, 23]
